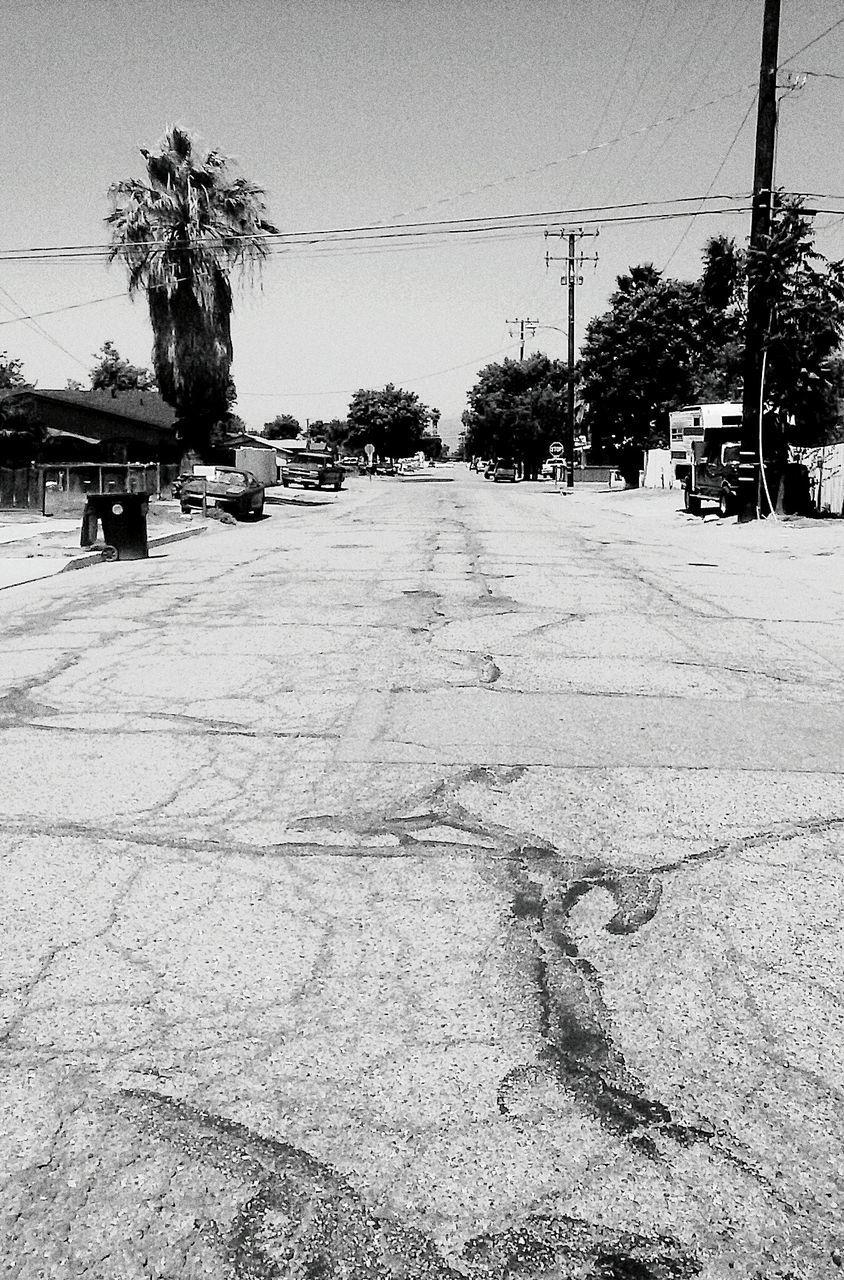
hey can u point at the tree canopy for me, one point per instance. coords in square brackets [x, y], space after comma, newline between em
[390, 419]
[11, 372]
[804, 292]
[516, 409]
[282, 427]
[181, 233]
[666, 342]
[113, 372]
[640, 358]
[333, 433]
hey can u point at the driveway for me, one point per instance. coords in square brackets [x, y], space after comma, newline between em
[444, 880]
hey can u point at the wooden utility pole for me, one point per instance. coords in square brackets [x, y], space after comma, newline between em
[570, 387]
[574, 263]
[758, 303]
[523, 324]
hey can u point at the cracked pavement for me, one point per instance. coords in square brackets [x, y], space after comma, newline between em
[444, 880]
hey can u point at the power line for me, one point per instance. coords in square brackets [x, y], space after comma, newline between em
[710, 67]
[522, 232]
[71, 306]
[817, 39]
[597, 130]
[347, 391]
[374, 231]
[727, 154]
[39, 328]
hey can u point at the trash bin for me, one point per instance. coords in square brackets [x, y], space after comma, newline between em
[123, 517]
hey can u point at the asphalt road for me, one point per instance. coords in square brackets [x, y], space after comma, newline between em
[433, 879]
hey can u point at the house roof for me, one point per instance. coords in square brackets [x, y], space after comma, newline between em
[136, 406]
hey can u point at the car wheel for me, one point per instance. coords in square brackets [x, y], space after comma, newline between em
[185, 508]
[285, 483]
[691, 501]
[725, 503]
[257, 512]
[337, 486]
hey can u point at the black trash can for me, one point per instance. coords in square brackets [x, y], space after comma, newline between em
[123, 517]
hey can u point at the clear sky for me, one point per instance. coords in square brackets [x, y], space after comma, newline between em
[351, 112]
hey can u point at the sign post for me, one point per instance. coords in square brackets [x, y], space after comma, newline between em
[557, 453]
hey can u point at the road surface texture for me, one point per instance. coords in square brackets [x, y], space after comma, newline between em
[440, 879]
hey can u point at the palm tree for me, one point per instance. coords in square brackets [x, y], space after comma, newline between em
[180, 234]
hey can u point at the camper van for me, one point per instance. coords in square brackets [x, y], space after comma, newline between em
[699, 422]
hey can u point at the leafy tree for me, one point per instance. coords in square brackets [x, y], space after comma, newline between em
[804, 294]
[283, 427]
[722, 289]
[333, 432]
[181, 233]
[11, 372]
[392, 420]
[640, 358]
[667, 342]
[516, 408]
[112, 372]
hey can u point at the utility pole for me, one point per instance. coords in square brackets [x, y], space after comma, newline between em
[570, 386]
[571, 278]
[758, 303]
[530, 325]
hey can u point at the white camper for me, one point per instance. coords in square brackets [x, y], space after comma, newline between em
[695, 422]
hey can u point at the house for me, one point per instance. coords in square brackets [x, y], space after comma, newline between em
[94, 426]
[46, 431]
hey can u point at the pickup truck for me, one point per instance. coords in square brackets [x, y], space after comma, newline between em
[313, 469]
[713, 476]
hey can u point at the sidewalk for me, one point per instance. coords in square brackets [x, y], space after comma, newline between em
[32, 548]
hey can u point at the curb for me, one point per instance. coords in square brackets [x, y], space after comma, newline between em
[96, 557]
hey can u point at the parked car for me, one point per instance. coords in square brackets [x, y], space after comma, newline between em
[713, 476]
[227, 488]
[313, 470]
[489, 469]
[504, 469]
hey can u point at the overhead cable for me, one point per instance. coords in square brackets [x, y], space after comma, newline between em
[838, 23]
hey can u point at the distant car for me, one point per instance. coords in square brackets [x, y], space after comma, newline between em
[489, 469]
[228, 488]
[312, 470]
[504, 469]
[352, 460]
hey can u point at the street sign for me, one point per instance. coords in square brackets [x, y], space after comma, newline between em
[369, 450]
[555, 449]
